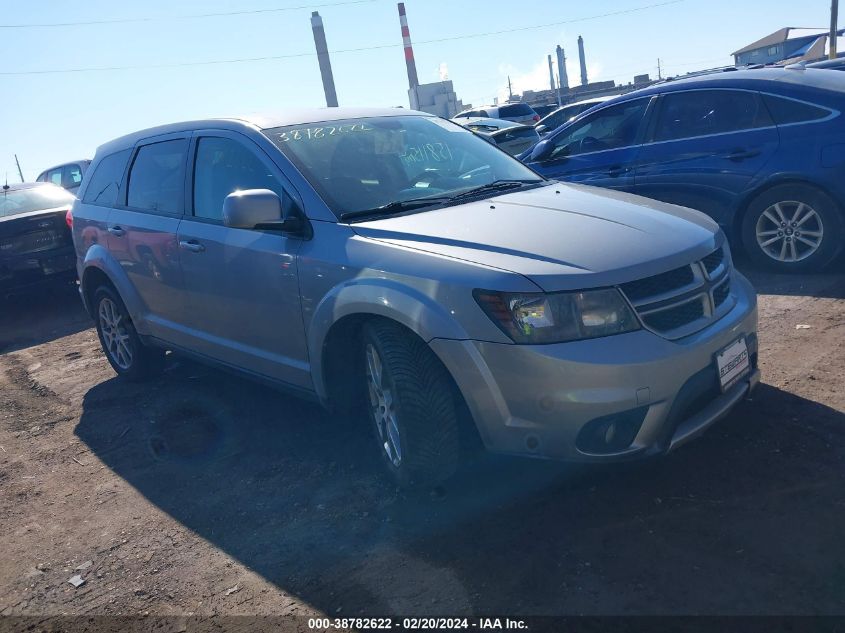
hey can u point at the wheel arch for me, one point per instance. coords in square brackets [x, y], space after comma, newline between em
[100, 267]
[342, 346]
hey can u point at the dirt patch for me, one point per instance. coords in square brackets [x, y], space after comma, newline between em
[181, 489]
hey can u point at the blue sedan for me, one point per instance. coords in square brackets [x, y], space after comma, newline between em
[760, 151]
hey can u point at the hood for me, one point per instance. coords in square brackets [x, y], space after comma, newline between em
[560, 236]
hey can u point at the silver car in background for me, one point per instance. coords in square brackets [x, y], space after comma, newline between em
[67, 175]
[394, 263]
[511, 137]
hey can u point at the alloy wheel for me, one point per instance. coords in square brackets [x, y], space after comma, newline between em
[789, 231]
[115, 334]
[383, 406]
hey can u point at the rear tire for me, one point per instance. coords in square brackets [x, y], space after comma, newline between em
[411, 405]
[792, 228]
[126, 353]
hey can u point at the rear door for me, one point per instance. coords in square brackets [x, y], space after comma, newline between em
[599, 149]
[243, 301]
[706, 148]
[142, 230]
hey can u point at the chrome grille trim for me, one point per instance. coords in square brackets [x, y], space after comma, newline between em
[671, 311]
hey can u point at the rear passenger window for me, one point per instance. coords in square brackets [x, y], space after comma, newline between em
[786, 111]
[705, 112]
[156, 180]
[222, 166]
[72, 176]
[105, 179]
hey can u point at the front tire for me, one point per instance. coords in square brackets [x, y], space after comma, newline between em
[411, 405]
[792, 229]
[124, 350]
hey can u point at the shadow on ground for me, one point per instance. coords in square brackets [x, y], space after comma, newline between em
[828, 284]
[40, 316]
[749, 519]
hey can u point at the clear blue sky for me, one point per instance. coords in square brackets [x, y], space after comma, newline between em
[51, 118]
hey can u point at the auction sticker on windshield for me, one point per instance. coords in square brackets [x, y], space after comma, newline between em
[732, 363]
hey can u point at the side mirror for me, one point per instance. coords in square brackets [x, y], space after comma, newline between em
[541, 128]
[542, 150]
[248, 208]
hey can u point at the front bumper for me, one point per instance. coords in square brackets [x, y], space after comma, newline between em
[542, 400]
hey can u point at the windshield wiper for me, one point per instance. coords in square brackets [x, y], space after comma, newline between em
[497, 185]
[397, 206]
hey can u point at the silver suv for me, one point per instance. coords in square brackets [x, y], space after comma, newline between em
[395, 262]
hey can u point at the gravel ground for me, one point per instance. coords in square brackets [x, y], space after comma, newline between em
[203, 493]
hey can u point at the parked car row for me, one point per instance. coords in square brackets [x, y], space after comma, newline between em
[399, 265]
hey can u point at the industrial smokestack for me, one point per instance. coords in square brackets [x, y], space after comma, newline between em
[583, 61]
[323, 59]
[551, 74]
[413, 82]
[561, 69]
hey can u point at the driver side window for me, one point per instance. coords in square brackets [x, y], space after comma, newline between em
[610, 128]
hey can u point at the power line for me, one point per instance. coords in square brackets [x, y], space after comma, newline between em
[181, 17]
[340, 51]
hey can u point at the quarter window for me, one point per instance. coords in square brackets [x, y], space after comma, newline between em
[705, 112]
[222, 166]
[610, 128]
[786, 111]
[156, 180]
[105, 180]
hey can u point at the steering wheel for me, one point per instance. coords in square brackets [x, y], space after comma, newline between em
[590, 144]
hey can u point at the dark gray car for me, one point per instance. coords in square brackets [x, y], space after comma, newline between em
[394, 261]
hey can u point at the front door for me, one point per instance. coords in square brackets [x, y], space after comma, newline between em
[243, 301]
[705, 150]
[599, 149]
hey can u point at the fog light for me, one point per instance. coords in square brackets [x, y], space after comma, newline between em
[611, 433]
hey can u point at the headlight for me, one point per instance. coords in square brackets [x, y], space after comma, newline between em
[538, 317]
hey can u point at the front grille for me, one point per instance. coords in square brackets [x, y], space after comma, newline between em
[721, 293]
[683, 300]
[676, 316]
[713, 261]
[658, 284]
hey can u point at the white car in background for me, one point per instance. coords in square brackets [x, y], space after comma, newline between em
[516, 112]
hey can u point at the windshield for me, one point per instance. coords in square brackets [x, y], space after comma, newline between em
[17, 201]
[362, 164]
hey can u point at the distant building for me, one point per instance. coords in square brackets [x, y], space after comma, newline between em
[787, 44]
[438, 98]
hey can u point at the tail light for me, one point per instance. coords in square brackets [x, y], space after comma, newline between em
[536, 118]
[69, 218]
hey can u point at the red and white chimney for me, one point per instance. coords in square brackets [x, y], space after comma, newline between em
[413, 81]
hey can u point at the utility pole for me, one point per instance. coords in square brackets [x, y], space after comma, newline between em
[834, 15]
[660, 73]
[510, 91]
[20, 173]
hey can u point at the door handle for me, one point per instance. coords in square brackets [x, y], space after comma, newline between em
[616, 170]
[116, 230]
[741, 154]
[191, 245]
